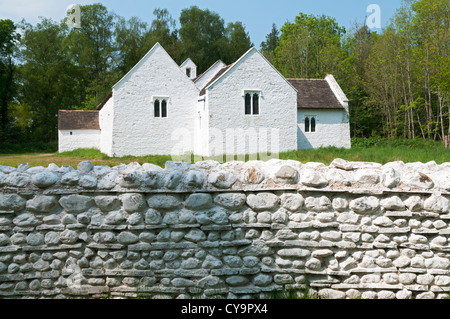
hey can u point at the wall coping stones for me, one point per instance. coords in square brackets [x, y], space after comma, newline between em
[210, 176]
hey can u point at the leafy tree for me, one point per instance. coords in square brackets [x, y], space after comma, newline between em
[202, 36]
[92, 50]
[238, 41]
[47, 77]
[8, 42]
[270, 44]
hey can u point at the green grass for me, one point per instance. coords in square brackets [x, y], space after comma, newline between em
[366, 150]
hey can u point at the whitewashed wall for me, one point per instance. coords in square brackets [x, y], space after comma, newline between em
[136, 131]
[278, 102]
[78, 139]
[106, 116]
[209, 74]
[332, 129]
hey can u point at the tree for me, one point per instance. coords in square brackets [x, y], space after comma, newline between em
[48, 77]
[270, 44]
[202, 36]
[8, 87]
[238, 41]
[91, 48]
[306, 47]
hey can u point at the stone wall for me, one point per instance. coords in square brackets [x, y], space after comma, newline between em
[236, 230]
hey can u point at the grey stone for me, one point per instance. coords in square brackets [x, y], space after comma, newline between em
[163, 201]
[222, 179]
[114, 218]
[12, 202]
[127, 238]
[312, 178]
[340, 204]
[366, 204]
[195, 179]
[198, 201]
[414, 203]
[88, 182]
[68, 236]
[17, 179]
[85, 167]
[338, 176]
[294, 252]
[341, 164]
[76, 203]
[437, 204]
[45, 179]
[366, 176]
[392, 203]
[152, 178]
[133, 202]
[68, 219]
[212, 262]
[35, 239]
[70, 178]
[4, 240]
[107, 203]
[173, 179]
[390, 177]
[262, 201]
[153, 217]
[292, 202]
[52, 238]
[26, 220]
[195, 235]
[317, 203]
[129, 179]
[232, 201]
[42, 204]
[287, 174]
[108, 181]
[262, 280]
[235, 281]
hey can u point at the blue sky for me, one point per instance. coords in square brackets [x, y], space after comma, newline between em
[256, 15]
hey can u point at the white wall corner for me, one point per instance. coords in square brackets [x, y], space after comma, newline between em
[336, 88]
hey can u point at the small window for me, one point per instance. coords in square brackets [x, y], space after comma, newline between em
[188, 72]
[164, 108]
[310, 124]
[252, 103]
[160, 107]
[70, 133]
[248, 102]
[157, 108]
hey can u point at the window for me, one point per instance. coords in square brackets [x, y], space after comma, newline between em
[160, 107]
[310, 124]
[252, 103]
[188, 72]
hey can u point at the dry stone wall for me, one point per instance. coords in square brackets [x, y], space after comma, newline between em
[235, 230]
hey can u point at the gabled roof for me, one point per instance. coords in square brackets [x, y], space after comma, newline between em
[199, 76]
[315, 94]
[78, 120]
[186, 62]
[105, 100]
[225, 70]
[215, 77]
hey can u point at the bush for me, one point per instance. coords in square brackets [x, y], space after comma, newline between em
[28, 148]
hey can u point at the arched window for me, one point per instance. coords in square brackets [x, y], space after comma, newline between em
[164, 108]
[248, 102]
[252, 102]
[306, 124]
[255, 103]
[313, 124]
[157, 108]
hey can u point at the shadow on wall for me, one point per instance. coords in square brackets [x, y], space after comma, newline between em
[302, 141]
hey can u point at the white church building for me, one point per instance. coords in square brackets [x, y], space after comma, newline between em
[161, 108]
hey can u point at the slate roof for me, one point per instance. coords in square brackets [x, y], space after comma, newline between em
[106, 99]
[218, 74]
[315, 94]
[78, 120]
